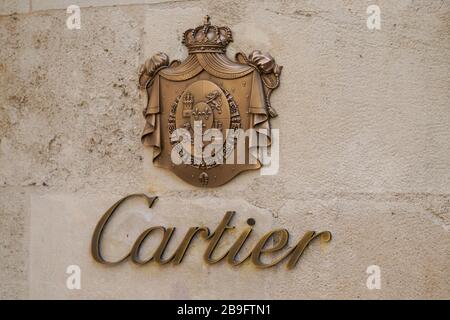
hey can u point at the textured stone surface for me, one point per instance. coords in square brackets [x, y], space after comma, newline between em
[26, 6]
[14, 6]
[39, 5]
[14, 231]
[365, 146]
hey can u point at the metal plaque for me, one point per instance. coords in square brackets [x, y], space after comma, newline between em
[207, 91]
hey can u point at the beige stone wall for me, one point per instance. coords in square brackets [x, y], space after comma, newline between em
[365, 148]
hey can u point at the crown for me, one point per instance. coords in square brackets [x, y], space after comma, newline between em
[207, 38]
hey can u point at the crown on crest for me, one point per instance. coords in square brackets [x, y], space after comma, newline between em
[207, 38]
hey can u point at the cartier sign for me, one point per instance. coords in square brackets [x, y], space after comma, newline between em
[198, 113]
[272, 242]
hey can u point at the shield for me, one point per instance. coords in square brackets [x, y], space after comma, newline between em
[207, 91]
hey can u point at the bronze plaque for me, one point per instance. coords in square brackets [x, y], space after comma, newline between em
[207, 92]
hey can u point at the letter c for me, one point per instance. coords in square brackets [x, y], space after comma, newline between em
[97, 236]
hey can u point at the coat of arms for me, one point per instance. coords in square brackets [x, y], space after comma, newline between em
[205, 96]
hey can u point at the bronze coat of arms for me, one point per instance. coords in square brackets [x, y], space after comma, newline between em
[210, 90]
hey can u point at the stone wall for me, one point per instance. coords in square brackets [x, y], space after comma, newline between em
[365, 148]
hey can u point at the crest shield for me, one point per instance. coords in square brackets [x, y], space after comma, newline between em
[207, 91]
